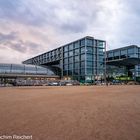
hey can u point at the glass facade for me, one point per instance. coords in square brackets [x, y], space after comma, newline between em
[85, 60]
[81, 60]
[24, 69]
[125, 53]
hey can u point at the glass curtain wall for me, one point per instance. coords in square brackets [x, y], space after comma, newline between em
[124, 53]
[94, 60]
[74, 60]
[24, 69]
[83, 60]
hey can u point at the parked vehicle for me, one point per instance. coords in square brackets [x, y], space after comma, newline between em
[69, 84]
[53, 83]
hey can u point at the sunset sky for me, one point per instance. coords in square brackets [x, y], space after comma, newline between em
[31, 27]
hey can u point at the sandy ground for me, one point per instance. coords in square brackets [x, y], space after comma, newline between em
[71, 113]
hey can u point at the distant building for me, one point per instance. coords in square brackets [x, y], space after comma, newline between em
[124, 62]
[81, 60]
[84, 60]
[25, 74]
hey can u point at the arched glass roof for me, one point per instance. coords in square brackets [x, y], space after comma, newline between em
[24, 69]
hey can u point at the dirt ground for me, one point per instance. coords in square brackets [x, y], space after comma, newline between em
[71, 113]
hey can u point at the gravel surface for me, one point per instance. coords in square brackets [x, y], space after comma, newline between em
[71, 113]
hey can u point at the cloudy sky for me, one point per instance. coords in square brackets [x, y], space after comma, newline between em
[31, 27]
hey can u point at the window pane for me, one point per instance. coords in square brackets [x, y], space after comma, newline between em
[123, 52]
[76, 45]
[110, 54]
[82, 57]
[5, 68]
[83, 50]
[101, 44]
[82, 42]
[70, 53]
[82, 71]
[71, 60]
[100, 50]
[89, 49]
[76, 58]
[70, 66]
[66, 61]
[76, 71]
[117, 53]
[76, 65]
[89, 64]
[89, 57]
[83, 64]
[89, 71]
[66, 54]
[30, 70]
[101, 57]
[66, 48]
[89, 42]
[131, 50]
[71, 47]
[20, 68]
[65, 73]
[65, 67]
[76, 51]
[69, 72]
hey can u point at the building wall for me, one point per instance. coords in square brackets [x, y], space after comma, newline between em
[80, 60]
[83, 59]
[123, 53]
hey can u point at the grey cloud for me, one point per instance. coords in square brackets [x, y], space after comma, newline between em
[24, 47]
[129, 27]
[20, 47]
[44, 13]
[21, 11]
[12, 41]
[53, 22]
[7, 37]
[82, 14]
